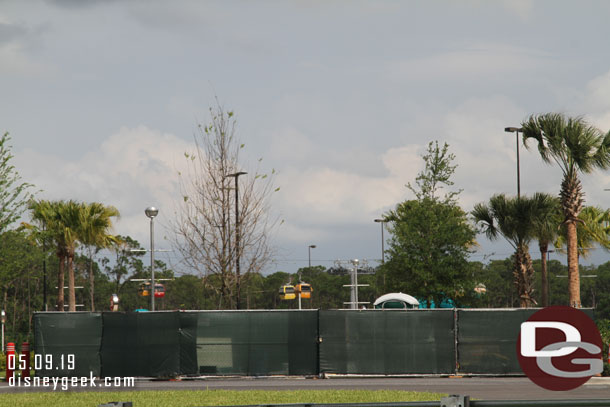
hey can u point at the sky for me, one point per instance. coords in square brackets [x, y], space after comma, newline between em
[103, 98]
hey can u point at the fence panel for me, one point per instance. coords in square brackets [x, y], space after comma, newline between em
[387, 342]
[57, 335]
[141, 344]
[257, 342]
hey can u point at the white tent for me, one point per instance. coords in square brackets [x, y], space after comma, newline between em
[397, 297]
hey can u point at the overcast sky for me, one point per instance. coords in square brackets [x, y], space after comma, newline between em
[102, 99]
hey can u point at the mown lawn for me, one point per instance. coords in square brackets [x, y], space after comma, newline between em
[210, 397]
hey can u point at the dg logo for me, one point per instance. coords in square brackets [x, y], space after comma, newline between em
[559, 348]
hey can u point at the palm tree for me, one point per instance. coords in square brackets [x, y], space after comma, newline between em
[46, 214]
[514, 219]
[575, 147]
[93, 232]
[593, 228]
[546, 231]
[68, 215]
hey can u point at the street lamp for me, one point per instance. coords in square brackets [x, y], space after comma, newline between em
[237, 251]
[516, 130]
[382, 222]
[151, 212]
[311, 246]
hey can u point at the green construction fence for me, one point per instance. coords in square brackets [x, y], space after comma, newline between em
[387, 342]
[287, 342]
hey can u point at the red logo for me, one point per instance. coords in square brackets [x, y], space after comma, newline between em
[559, 348]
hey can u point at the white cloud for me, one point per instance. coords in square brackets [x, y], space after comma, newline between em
[133, 169]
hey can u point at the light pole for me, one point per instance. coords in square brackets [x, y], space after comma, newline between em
[44, 269]
[382, 222]
[3, 318]
[311, 246]
[151, 212]
[516, 130]
[237, 251]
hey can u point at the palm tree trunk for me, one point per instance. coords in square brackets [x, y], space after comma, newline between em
[61, 282]
[544, 276]
[523, 272]
[573, 274]
[71, 289]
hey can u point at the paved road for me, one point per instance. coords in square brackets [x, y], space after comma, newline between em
[497, 388]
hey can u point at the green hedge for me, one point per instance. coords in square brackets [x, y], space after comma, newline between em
[604, 329]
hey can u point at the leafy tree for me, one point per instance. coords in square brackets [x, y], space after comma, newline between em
[575, 146]
[20, 282]
[437, 172]
[14, 194]
[515, 220]
[603, 290]
[431, 236]
[128, 259]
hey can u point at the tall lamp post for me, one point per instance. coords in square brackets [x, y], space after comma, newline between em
[382, 222]
[44, 269]
[237, 251]
[151, 212]
[516, 130]
[311, 246]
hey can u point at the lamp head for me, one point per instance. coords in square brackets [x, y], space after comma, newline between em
[3, 316]
[513, 129]
[312, 246]
[151, 211]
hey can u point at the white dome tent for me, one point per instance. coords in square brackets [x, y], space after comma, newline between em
[396, 301]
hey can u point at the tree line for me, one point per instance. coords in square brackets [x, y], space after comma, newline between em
[217, 229]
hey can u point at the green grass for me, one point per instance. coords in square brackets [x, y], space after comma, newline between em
[210, 397]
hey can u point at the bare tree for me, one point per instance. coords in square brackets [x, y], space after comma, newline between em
[204, 223]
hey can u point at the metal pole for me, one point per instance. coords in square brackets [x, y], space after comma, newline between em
[352, 296]
[518, 167]
[152, 264]
[44, 270]
[237, 265]
[3, 320]
[381, 222]
[356, 282]
[309, 256]
[516, 130]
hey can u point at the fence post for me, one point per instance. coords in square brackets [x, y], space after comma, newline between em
[25, 351]
[10, 366]
[455, 401]
[455, 340]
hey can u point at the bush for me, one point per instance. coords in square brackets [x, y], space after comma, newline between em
[604, 329]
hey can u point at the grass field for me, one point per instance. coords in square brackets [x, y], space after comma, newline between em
[209, 397]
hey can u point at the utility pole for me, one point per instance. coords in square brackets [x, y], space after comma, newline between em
[237, 227]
